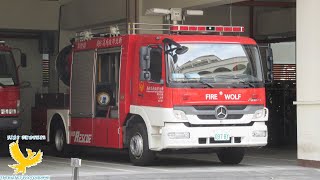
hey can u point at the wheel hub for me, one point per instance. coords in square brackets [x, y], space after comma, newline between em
[59, 140]
[136, 146]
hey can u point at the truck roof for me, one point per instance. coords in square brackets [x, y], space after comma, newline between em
[117, 41]
[202, 38]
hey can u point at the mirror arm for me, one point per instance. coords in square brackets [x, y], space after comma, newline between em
[170, 41]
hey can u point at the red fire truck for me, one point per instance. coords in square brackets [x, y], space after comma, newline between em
[191, 88]
[9, 91]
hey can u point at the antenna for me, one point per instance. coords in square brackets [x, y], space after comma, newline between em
[230, 12]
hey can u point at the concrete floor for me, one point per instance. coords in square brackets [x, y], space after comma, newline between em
[259, 164]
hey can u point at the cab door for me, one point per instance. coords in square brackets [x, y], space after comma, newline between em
[152, 76]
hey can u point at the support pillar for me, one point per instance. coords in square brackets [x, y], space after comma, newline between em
[308, 83]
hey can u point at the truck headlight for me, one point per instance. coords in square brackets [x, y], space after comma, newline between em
[258, 114]
[12, 111]
[8, 111]
[179, 135]
[179, 115]
[261, 113]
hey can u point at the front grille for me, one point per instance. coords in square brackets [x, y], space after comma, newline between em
[216, 125]
[242, 107]
[207, 112]
[213, 141]
[202, 140]
[237, 139]
[229, 107]
[230, 116]
[201, 108]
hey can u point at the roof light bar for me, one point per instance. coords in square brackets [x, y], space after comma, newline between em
[192, 28]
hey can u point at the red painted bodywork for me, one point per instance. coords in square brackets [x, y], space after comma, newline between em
[8, 97]
[108, 132]
[9, 94]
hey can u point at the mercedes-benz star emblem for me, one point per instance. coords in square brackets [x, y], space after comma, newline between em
[221, 112]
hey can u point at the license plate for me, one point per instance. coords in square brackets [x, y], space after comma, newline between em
[222, 137]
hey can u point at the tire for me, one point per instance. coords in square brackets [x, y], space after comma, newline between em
[59, 141]
[139, 152]
[231, 155]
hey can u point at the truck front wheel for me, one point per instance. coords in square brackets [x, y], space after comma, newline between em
[231, 155]
[59, 141]
[139, 151]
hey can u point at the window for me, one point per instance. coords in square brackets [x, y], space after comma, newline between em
[8, 74]
[156, 64]
[216, 63]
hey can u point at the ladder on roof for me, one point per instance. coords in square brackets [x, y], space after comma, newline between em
[136, 28]
[122, 29]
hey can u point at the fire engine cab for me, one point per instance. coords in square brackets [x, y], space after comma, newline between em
[9, 91]
[190, 88]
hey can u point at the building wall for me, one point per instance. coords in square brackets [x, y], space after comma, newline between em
[275, 22]
[30, 14]
[270, 22]
[83, 13]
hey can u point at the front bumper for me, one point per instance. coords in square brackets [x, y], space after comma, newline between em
[203, 137]
[9, 123]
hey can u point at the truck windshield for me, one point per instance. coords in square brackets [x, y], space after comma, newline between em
[8, 74]
[212, 64]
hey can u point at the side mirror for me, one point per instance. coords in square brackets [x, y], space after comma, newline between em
[23, 60]
[182, 50]
[145, 63]
[269, 77]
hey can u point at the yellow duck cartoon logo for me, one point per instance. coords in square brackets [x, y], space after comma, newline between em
[23, 162]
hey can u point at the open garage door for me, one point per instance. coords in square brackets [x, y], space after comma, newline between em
[281, 94]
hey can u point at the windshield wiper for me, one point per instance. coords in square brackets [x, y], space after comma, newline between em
[243, 81]
[206, 83]
[200, 81]
[235, 77]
